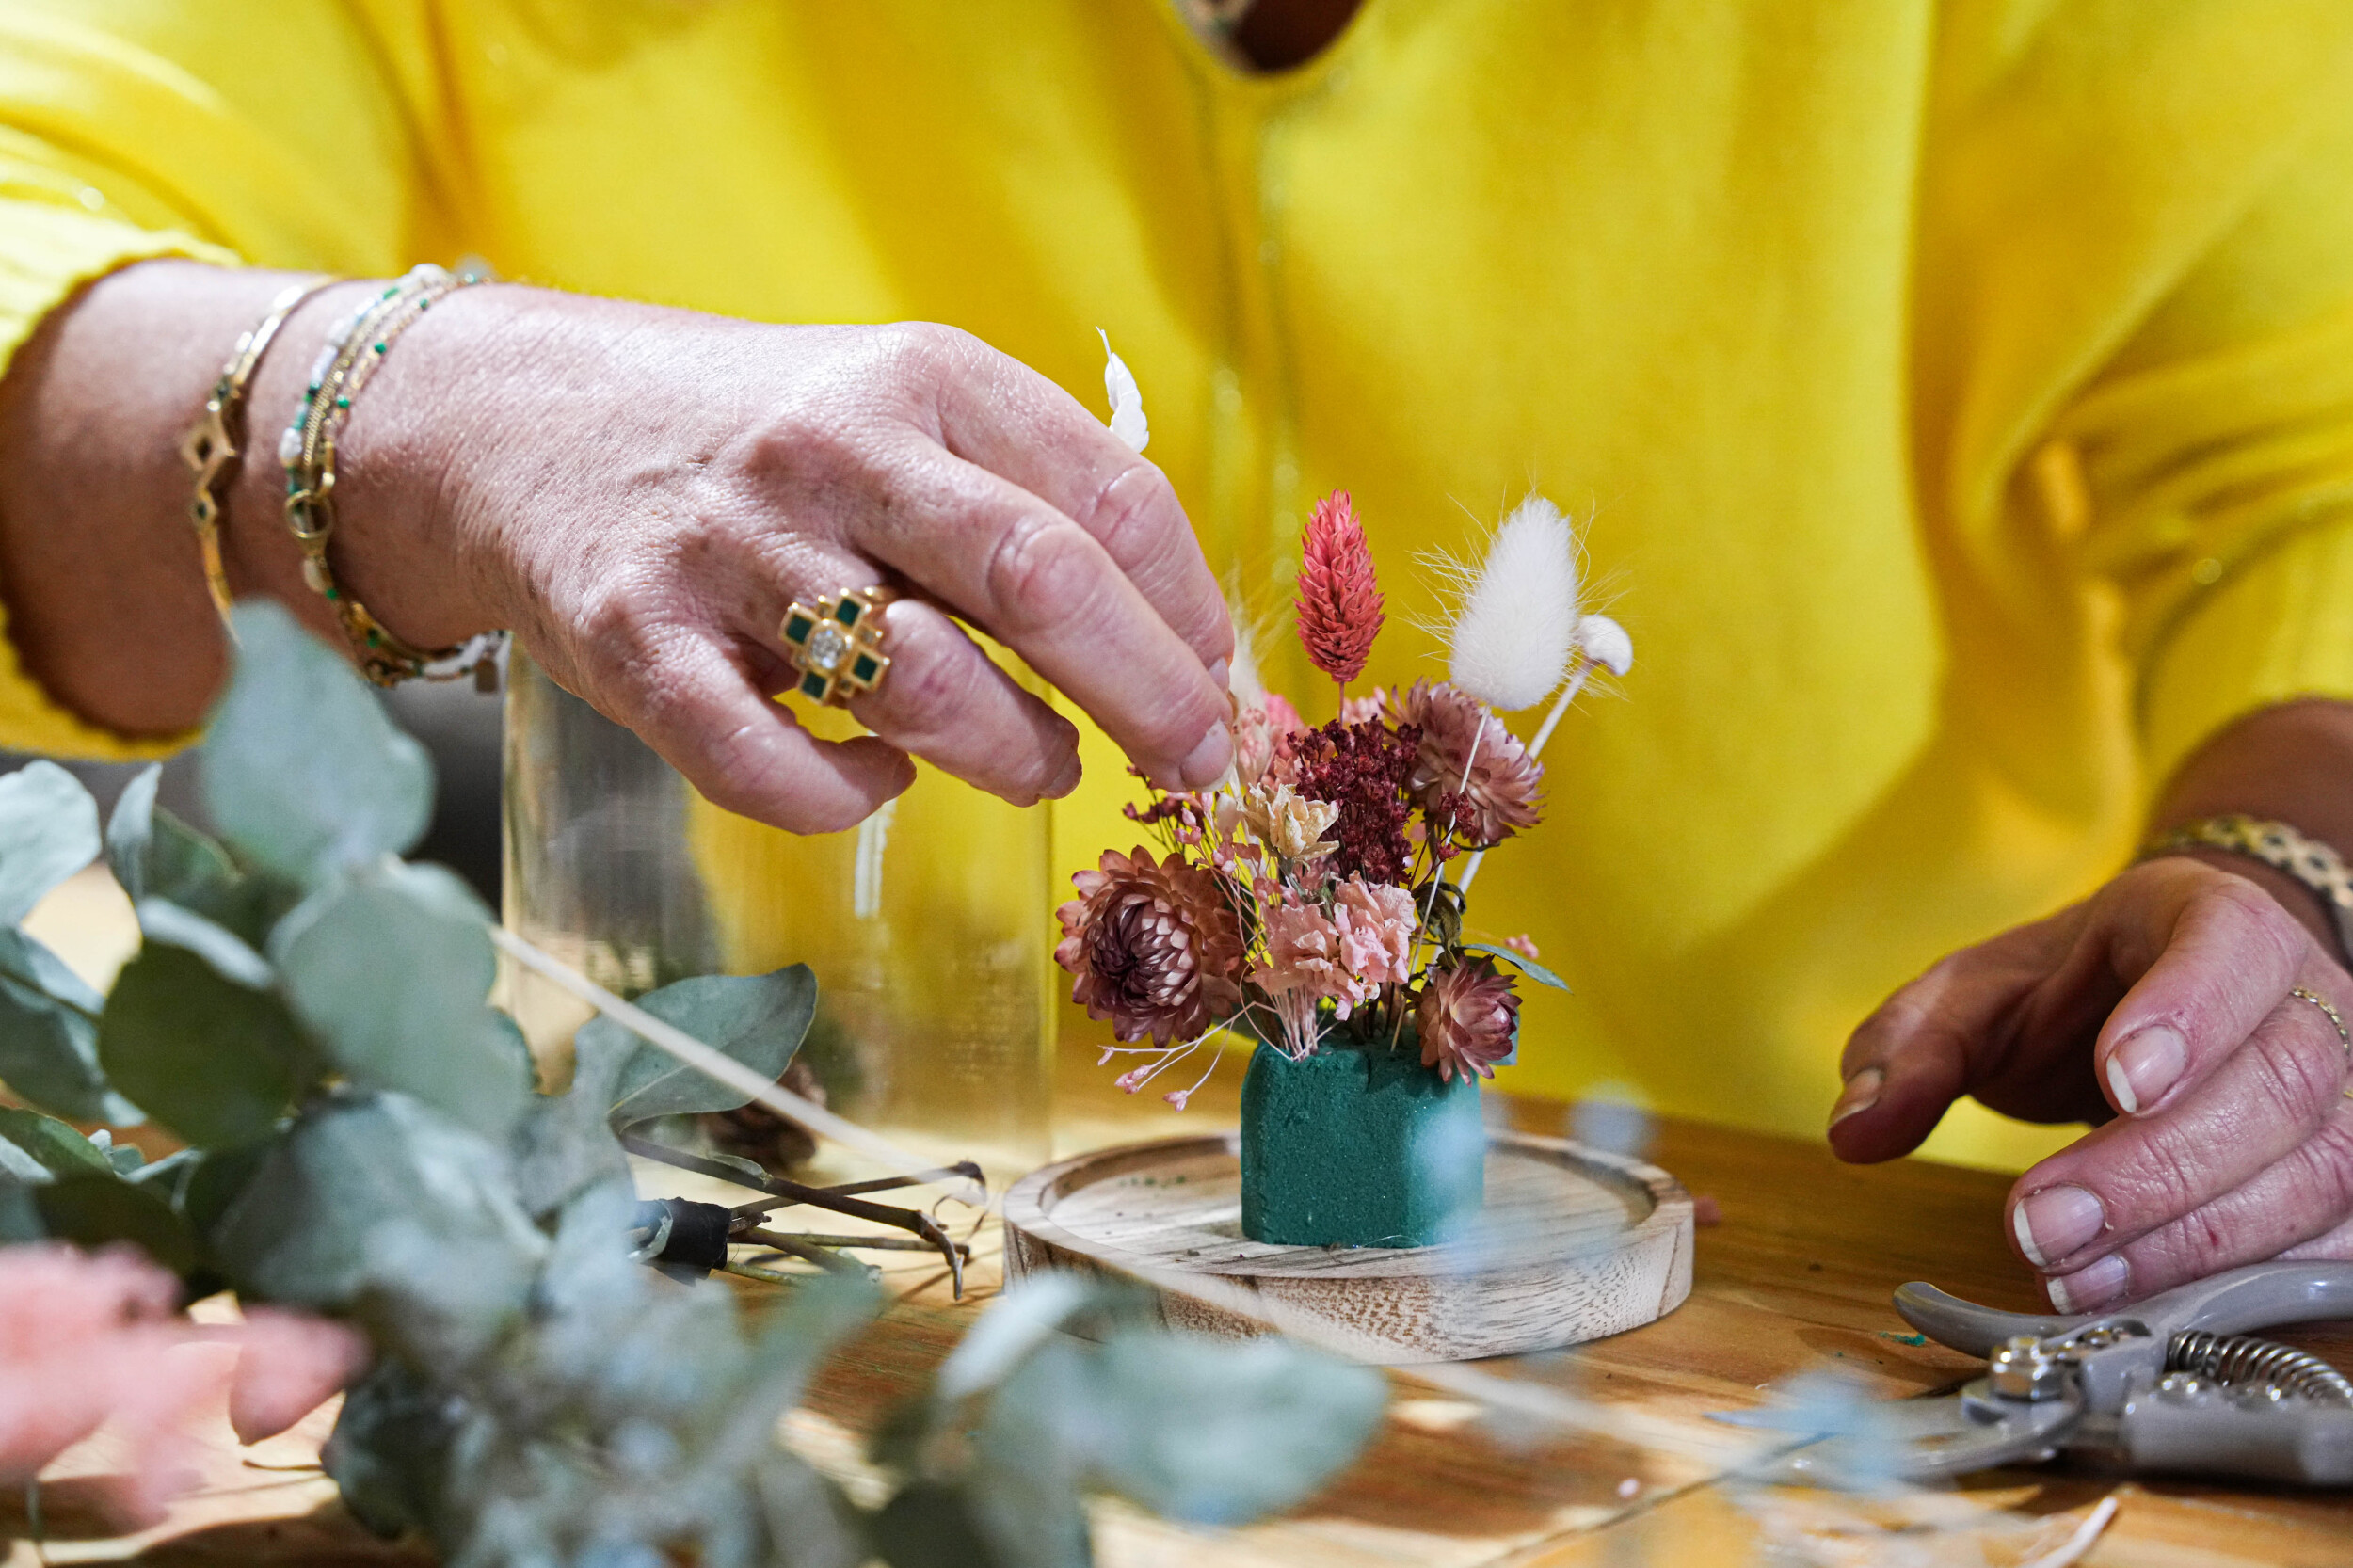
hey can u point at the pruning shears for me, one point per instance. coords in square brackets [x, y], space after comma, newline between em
[2177, 1384]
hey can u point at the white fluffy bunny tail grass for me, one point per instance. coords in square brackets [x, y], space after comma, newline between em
[1510, 644]
[1128, 421]
[1243, 679]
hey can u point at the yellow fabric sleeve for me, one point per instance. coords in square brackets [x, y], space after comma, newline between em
[2275, 631]
[2216, 464]
[267, 133]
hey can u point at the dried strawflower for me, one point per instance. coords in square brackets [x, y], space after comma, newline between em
[1364, 769]
[1466, 1016]
[1288, 823]
[1154, 946]
[1340, 602]
[1377, 926]
[1510, 643]
[1472, 776]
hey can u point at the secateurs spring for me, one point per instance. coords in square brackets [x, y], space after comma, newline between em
[2175, 1383]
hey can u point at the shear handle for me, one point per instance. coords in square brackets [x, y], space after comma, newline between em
[2262, 1295]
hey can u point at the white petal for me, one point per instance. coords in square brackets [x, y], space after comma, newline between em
[1604, 642]
[1128, 421]
[1510, 644]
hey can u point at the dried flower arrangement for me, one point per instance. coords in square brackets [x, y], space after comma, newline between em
[1303, 902]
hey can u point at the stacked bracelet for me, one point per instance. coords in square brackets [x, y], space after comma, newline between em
[214, 443]
[307, 452]
[2282, 848]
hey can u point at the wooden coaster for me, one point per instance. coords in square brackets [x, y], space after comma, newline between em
[1573, 1244]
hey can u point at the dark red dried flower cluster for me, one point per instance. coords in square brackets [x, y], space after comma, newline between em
[1365, 769]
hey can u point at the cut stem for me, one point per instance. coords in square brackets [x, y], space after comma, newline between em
[1544, 733]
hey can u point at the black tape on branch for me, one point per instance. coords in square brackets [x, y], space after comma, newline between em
[699, 1233]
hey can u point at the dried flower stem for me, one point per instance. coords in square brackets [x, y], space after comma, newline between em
[1544, 733]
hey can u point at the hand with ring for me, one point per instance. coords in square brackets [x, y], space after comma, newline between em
[651, 498]
[2195, 1008]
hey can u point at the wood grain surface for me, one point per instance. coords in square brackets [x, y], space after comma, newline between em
[1572, 1244]
[1794, 1280]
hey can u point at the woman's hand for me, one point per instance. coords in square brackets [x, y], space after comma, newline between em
[640, 493]
[2165, 1007]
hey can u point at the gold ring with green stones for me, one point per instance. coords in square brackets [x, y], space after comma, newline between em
[837, 644]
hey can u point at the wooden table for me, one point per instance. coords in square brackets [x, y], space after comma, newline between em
[1794, 1279]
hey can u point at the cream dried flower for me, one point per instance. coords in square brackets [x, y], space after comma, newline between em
[1288, 823]
[1128, 422]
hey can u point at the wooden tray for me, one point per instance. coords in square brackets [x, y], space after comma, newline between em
[1573, 1244]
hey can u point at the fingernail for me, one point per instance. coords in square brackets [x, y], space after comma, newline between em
[2091, 1288]
[1861, 1094]
[2145, 1067]
[2056, 1221]
[1208, 758]
[1223, 673]
[1064, 781]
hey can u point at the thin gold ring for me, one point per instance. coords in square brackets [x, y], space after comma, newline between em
[837, 644]
[2336, 1022]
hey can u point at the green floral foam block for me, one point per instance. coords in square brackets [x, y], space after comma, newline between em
[1358, 1148]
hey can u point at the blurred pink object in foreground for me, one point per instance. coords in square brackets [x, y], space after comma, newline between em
[86, 1338]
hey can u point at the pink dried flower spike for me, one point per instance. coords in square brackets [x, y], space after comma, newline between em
[1340, 602]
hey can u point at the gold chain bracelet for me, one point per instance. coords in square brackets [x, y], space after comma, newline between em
[346, 362]
[214, 443]
[2282, 848]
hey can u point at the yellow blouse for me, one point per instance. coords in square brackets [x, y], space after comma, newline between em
[1962, 394]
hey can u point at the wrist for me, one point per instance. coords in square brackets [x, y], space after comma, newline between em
[396, 544]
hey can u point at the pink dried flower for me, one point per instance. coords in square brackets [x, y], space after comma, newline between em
[1178, 1097]
[1377, 926]
[1498, 795]
[1302, 950]
[1523, 945]
[1339, 602]
[1466, 1016]
[1259, 730]
[1155, 946]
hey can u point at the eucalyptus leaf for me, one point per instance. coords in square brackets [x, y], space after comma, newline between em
[302, 769]
[210, 1056]
[92, 1211]
[754, 1019]
[561, 1144]
[230, 955]
[48, 831]
[1526, 966]
[1220, 1431]
[52, 1145]
[1015, 1325]
[390, 980]
[155, 855]
[390, 1448]
[929, 1523]
[205, 1196]
[49, 1036]
[20, 1216]
[18, 1165]
[305, 1228]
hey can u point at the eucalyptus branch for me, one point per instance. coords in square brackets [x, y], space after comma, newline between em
[711, 1064]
